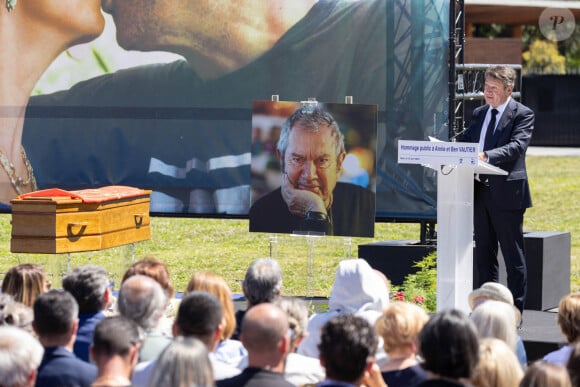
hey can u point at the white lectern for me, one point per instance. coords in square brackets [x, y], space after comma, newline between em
[455, 163]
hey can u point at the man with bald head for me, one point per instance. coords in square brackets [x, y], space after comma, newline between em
[265, 334]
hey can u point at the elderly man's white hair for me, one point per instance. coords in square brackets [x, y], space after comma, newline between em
[263, 281]
[20, 356]
[142, 300]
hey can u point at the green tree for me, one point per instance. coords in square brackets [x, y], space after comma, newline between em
[543, 56]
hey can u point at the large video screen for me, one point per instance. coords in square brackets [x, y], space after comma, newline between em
[183, 127]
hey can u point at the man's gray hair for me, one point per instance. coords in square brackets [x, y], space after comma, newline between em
[20, 355]
[263, 281]
[312, 120]
[505, 74]
[142, 300]
[87, 284]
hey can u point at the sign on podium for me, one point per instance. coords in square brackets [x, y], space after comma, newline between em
[456, 164]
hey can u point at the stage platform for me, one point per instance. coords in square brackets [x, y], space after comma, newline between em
[540, 331]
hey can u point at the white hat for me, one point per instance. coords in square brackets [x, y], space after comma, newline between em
[493, 291]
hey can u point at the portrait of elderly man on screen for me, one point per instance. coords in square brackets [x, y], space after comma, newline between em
[314, 197]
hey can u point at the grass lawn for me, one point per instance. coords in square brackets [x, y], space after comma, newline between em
[225, 246]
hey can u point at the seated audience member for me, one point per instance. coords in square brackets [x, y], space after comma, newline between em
[347, 347]
[449, 346]
[498, 292]
[228, 350]
[573, 365]
[199, 316]
[20, 356]
[185, 362]
[569, 322]
[358, 290]
[399, 326]
[496, 319]
[25, 283]
[19, 315]
[262, 283]
[142, 300]
[543, 374]
[55, 323]
[152, 267]
[265, 334]
[498, 365]
[89, 285]
[299, 369]
[115, 351]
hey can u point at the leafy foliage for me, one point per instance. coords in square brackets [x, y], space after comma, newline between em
[421, 287]
[544, 55]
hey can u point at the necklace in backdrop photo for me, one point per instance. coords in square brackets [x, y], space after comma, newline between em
[17, 181]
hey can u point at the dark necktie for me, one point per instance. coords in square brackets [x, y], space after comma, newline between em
[488, 144]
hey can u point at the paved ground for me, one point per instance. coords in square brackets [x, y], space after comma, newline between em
[552, 151]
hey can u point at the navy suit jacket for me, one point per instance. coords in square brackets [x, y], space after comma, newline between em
[510, 142]
[60, 367]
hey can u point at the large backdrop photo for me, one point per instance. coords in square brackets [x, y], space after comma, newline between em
[183, 128]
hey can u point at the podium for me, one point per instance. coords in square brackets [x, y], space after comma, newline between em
[456, 165]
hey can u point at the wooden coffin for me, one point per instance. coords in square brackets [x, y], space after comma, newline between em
[57, 221]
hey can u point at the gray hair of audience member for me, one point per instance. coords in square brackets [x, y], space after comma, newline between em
[184, 362]
[88, 285]
[19, 315]
[263, 281]
[115, 335]
[142, 300]
[20, 356]
[496, 319]
[263, 328]
[311, 119]
[297, 313]
[199, 315]
[347, 343]
[55, 313]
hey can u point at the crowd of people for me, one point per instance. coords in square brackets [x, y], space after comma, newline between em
[85, 335]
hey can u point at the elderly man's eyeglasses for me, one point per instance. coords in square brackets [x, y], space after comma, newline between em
[323, 162]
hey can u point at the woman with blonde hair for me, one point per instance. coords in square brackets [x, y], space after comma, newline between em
[498, 365]
[228, 350]
[25, 282]
[399, 326]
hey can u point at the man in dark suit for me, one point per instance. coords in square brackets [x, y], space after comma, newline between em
[56, 323]
[503, 128]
